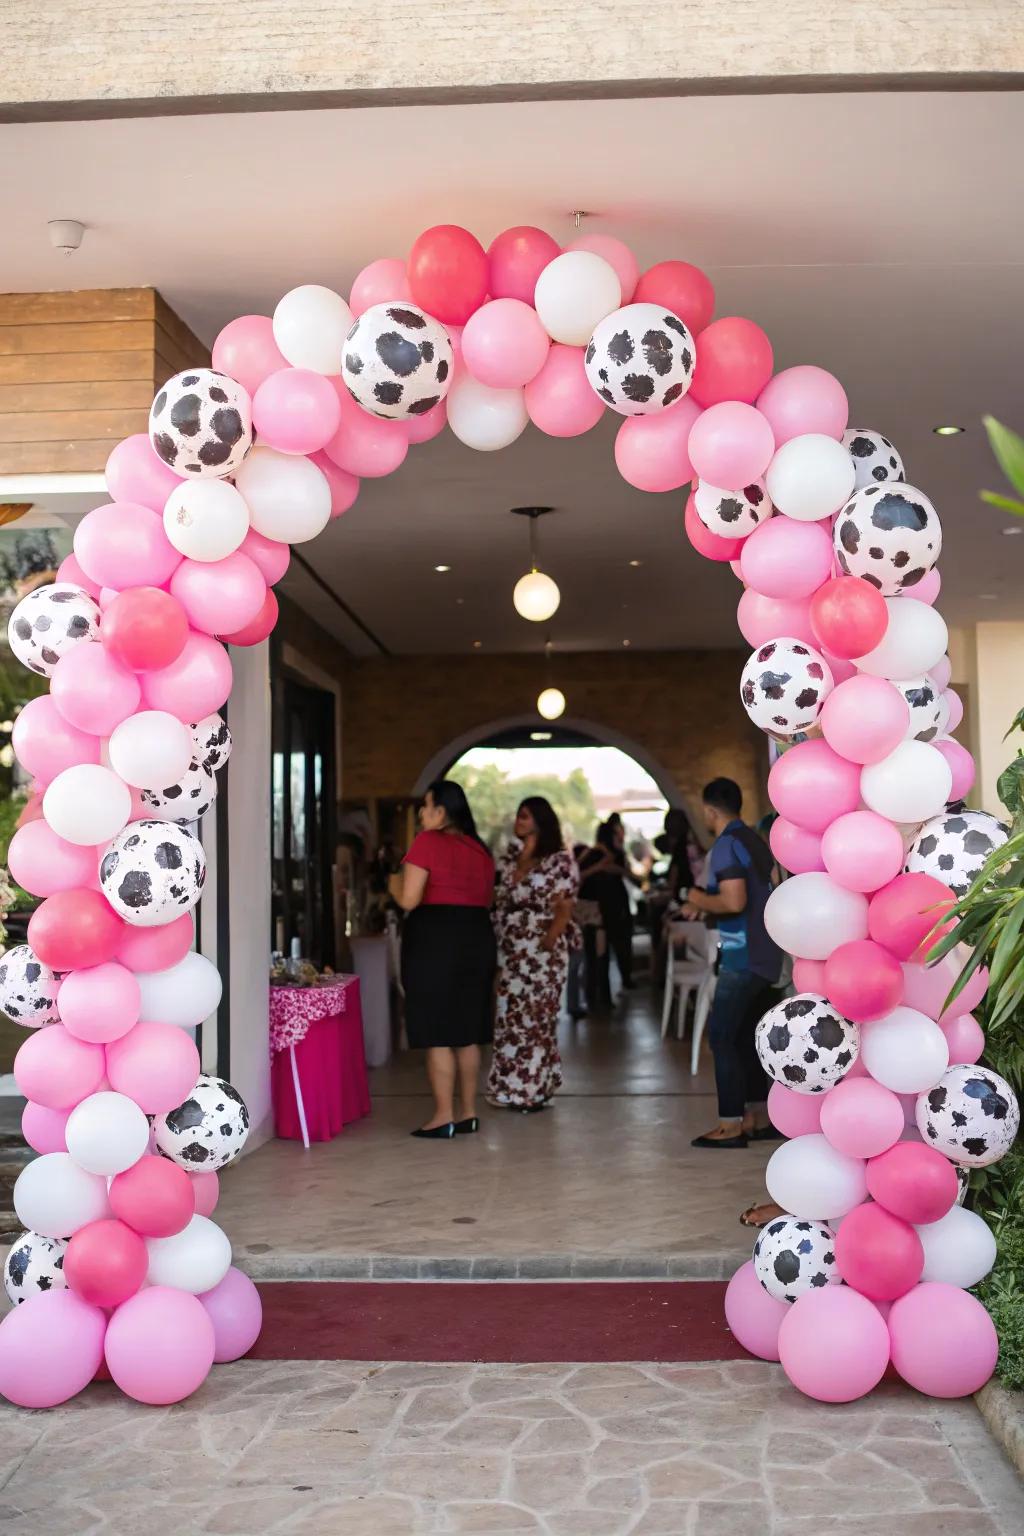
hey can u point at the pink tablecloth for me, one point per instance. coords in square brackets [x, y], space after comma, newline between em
[327, 1047]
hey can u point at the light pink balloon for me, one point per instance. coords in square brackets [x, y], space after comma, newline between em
[811, 785]
[160, 1345]
[618, 256]
[926, 987]
[809, 976]
[515, 260]
[928, 588]
[156, 949]
[559, 400]
[92, 691]
[219, 596]
[862, 851]
[194, 686]
[45, 743]
[965, 1038]
[794, 1114]
[44, 1128]
[345, 487]
[842, 668]
[136, 474]
[943, 1341]
[785, 558]
[271, 556]
[833, 1344]
[753, 1316]
[423, 428]
[961, 765]
[124, 545]
[246, 351]
[71, 572]
[157, 1065]
[50, 1349]
[865, 718]
[384, 281]
[44, 863]
[206, 1188]
[504, 344]
[770, 618]
[861, 1118]
[236, 1312]
[365, 445]
[296, 410]
[55, 1069]
[731, 445]
[941, 673]
[956, 709]
[797, 850]
[652, 452]
[804, 399]
[99, 1003]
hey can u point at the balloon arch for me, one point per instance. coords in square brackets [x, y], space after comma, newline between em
[121, 1266]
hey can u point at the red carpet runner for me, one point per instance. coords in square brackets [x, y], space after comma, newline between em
[495, 1320]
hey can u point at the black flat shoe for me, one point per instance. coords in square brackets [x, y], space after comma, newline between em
[438, 1133]
[725, 1143]
[765, 1133]
[467, 1127]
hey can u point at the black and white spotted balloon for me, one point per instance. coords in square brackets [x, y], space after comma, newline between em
[152, 872]
[35, 1264]
[49, 622]
[954, 847]
[963, 1183]
[875, 460]
[28, 988]
[784, 686]
[186, 801]
[805, 1044]
[397, 361]
[213, 742]
[971, 1115]
[929, 710]
[208, 1131]
[731, 514]
[200, 424]
[640, 359]
[889, 536]
[792, 1257]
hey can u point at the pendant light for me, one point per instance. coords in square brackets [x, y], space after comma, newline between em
[535, 596]
[550, 701]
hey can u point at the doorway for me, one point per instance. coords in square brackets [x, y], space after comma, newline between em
[303, 814]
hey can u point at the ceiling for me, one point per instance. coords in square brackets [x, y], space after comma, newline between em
[878, 235]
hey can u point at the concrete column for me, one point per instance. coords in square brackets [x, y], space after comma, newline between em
[996, 697]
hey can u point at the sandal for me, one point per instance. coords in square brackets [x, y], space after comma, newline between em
[752, 1210]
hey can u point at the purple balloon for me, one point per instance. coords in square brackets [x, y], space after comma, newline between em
[236, 1311]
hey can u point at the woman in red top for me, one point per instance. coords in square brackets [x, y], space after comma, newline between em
[446, 886]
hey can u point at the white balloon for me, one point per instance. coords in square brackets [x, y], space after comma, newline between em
[310, 326]
[484, 418]
[206, 519]
[910, 785]
[152, 748]
[54, 1196]
[288, 498]
[87, 804]
[914, 641]
[810, 477]
[574, 293]
[814, 1182]
[195, 1259]
[906, 1051]
[212, 741]
[185, 994]
[811, 915]
[107, 1133]
[959, 1249]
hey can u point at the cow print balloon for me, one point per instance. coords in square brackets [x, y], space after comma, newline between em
[185, 801]
[208, 1131]
[971, 1115]
[875, 460]
[963, 1183]
[889, 536]
[201, 424]
[397, 361]
[954, 846]
[49, 622]
[35, 1264]
[152, 872]
[640, 359]
[213, 742]
[929, 710]
[792, 1257]
[731, 514]
[805, 1044]
[28, 988]
[784, 686]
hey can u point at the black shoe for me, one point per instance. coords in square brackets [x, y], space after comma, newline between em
[467, 1127]
[765, 1133]
[438, 1133]
[716, 1142]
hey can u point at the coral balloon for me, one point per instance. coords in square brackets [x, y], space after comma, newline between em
[861, 1118]
[863, 981]
[913, 1181]
[144, 628]
[734, 362]
[730, 445]
[154, 1197]
[160, 1345]
[246, 351]
[784, 558]
[804, 399]
[810, 785]
[943, 1341]
[50, 1349]
[878, 1254]
[105, 1262]
[74, 928]
[849, 616]
[515, 260]
[833, 1344]
[448, 273]
[684, 290]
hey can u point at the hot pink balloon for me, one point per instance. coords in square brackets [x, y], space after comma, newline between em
[156, 949]
[50, 1349]
[734, 362]
[961, 765]
[384, 281]
[965, 1038]
[753, 1316]
[206, 1189]
[905, 914]
[105, 1262]
[124, 545]
[943, 1341]
[194, 686]
[235, 1309]
[259, 626]
[73, 928]
[809, 976]
[652, 452]
[865, 718]
[99, 1003]
[926, 988]
[44, 1128]
[913, 1181]
[345, 487]
[94, 692]
[56, 1070]
[762, 619]
[877, 1253]
[45, 743]
[618, 256]
[704, 541]
[860, 1118]
[418, 429]
[794, 1114]
[44, 863]
[271, 556]
[296, 410]
[504, 344]
[683, 289]
[797, 850]
[157, 1065]
[804, 399]
[863, 981]
[154, 1197]
[833, 1344]
[862, 851]
[956, 709]
[811, 785]
[246, 351]
[731, 445]
[515, 260]
[785, 558]
[136, 474]
[71, 572]
[928, 588]
[219, 596]
[160, 1345]
[364, 445]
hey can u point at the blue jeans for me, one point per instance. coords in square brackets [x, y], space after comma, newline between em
[740, 1000]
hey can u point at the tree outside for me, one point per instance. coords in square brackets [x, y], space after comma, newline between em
[495, 797]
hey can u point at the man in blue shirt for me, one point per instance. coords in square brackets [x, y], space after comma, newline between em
[741, 874]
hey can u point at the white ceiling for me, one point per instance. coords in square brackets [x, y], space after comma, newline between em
[878, 235]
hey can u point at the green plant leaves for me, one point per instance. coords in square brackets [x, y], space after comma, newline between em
[1008, 447]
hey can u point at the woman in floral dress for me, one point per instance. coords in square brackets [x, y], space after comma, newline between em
[537, 885]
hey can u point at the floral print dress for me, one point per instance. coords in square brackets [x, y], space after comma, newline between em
[526, 1068]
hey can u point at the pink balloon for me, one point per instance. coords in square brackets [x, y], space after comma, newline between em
[94, 692]
[50, 1349]
[811, 785]
[926, 988]
[44, 863]
[795, 1114]
[784, 558]
[904, 915]
[345, 487]
[943, 1341]
[913, 1181]
[804, 399]
[864, 719]
[704, 541]
[156, 949]
[45, 743]
[833, 1344]
[418, 429]
[106, 1262]
[364, 445]
[842, 668]
[965, 1038]
[862, 851]
[956, 709]
[515, 260]
[194, 686]
[70, 571]
[941, 673]
[219, 596]
[878, 1254]
[44, 1128]
[135, 473]
[652, 452]
[235, 1309]
[961, 765]
[731, 445]
[762, 619]
[861, 1118]
[157, 1065]
[269, 555]
[55, 1069]
[809, 976]
[618, 256]
[560, 401]
[296, 410]
[863, 981]
[99, 1003]
[798, 851]
[258, 627]
[753, 1316]
[160, 1345]
[504, 344]
[928, 588]
[246, 351]
[124, 545]
[684, 290]
[73, 928]
[206, 1189]
[384, 281]
[154, 1197]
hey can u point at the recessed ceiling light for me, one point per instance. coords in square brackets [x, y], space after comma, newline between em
[540, 735]
[948, 431]
[627, 642]
[440, 568]
[1012, 533]
[635, 563]
[477, 644]
[459, 602]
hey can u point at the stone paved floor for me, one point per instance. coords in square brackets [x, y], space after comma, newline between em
[414, 1450]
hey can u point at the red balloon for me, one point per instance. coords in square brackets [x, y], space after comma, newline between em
[863, 981]
[704, 541]
[877, 1253]
[105, 1263]
[684, 290]
[848, 616]
[903, 914]
[913, 1181]
[73, 928]
[144, 627]
[155, 1197]
[448, 273]
[734, 362]
[258, 628]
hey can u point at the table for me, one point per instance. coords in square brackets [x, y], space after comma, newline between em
[317, 1062]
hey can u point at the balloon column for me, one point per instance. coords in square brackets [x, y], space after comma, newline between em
[120, 1262]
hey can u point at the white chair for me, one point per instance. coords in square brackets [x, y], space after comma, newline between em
[694, 972]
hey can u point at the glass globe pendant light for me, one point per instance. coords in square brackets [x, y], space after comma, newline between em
[550, 700]
[535, 596]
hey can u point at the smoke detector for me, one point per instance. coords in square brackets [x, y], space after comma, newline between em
[66, 234]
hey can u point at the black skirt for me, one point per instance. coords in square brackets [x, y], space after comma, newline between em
[448, 963]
